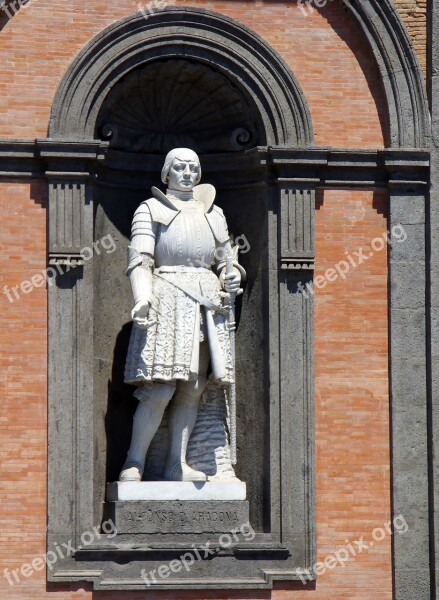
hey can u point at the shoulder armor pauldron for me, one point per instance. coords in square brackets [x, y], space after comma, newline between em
[160, 213]
[217, 221]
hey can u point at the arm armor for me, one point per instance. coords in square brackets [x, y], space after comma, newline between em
[140, 273]
[141, 253]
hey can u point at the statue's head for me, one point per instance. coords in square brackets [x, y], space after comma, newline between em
[182, 170]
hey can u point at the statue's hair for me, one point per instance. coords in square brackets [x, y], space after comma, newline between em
[172, 155]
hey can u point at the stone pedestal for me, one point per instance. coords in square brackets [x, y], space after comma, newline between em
[177, 507]
[174, 516]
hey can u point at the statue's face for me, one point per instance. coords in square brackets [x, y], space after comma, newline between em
[183, 174]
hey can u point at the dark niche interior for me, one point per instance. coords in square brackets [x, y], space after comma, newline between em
[178, 103]
[244, 202]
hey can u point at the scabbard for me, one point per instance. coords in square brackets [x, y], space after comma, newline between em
[232, 387]
[217, 362]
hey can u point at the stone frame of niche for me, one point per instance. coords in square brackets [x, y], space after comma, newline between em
[72, 156]
[287, 550]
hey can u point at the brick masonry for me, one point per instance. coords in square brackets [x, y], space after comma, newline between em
[414, 15]
[340, 82]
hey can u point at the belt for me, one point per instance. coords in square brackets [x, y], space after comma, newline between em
[187, 290]
[180, 269]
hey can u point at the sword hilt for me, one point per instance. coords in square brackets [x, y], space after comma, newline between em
[229, 264]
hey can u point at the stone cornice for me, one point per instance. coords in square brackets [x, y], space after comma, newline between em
[316, 167]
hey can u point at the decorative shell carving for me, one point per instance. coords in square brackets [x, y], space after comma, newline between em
[177, 103]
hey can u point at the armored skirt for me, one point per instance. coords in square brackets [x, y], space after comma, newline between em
[179, 319]
[169, 348]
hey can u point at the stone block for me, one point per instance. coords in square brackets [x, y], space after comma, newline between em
[173, 516]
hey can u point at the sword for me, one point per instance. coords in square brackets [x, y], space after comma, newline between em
[232, 387]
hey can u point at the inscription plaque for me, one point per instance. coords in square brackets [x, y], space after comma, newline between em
[178, 516]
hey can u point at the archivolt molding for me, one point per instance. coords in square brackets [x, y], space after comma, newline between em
[197, 35]
[400, 71]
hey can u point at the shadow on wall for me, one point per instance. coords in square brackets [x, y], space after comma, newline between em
[380, 205]
[39, 192]
[341, 21]
[119, 414]
[203, 594]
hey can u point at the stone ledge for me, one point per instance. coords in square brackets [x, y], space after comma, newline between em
[176, 490]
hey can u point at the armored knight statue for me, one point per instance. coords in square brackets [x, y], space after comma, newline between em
[182, 270]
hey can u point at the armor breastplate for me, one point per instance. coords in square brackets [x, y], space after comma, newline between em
[188, 240]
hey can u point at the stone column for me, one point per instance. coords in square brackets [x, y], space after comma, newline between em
[70, 330]
[433, 83]
[295, 264]
[409, 391]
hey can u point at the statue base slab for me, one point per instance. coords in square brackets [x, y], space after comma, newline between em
[176, 490]
[174, 517]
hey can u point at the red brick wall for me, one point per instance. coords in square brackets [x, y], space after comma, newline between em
[339, 79]
[414, 16]
[351, 394]
[23, 377]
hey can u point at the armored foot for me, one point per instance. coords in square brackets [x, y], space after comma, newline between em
[130, 474]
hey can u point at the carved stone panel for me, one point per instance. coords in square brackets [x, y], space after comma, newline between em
[297, 228]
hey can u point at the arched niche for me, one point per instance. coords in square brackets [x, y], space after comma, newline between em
[174, 103]
[197, 78]
[167, 103]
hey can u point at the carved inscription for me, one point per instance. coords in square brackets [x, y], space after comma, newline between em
[176, 516]
[183, 517]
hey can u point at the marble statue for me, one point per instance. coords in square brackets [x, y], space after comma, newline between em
[184, 275]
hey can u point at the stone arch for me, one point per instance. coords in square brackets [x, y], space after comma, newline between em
[388, 39]
[193, 34]
[218, 40]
